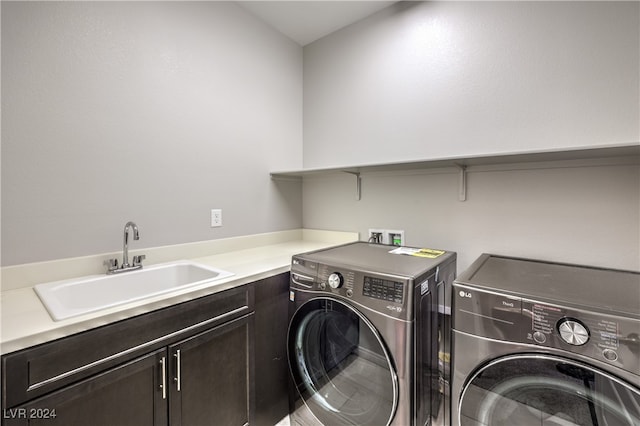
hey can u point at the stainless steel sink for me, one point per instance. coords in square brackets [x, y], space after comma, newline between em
[70, 298]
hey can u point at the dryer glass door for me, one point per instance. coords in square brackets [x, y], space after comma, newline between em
[340, 365]
[546, 390]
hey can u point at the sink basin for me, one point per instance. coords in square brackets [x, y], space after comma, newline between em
[70, 298]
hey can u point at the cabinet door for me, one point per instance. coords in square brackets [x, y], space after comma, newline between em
[272, 369]
[211, 376]
[130, 394]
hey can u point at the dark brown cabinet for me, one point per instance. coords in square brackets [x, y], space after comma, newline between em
[272, 367]
[216, 360]
[210, 376]
[188, 364]
[128, 395]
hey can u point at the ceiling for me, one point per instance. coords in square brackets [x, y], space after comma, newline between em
[307, 21]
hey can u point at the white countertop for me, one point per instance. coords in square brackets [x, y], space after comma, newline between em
[25, 321]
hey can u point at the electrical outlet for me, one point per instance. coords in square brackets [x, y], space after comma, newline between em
[376, 236]
[394, 237]
[216, 218]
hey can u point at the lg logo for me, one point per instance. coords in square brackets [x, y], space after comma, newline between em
[465, 294]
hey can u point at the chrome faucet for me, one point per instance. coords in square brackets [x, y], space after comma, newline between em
[137, 260]
[125, 245]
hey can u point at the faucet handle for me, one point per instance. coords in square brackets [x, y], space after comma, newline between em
[137, 260]
[112, 264]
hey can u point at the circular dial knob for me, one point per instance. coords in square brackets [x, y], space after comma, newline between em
[335, 280]
[573, 332]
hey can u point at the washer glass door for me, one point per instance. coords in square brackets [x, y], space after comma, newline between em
[340, 365]
[547, 390]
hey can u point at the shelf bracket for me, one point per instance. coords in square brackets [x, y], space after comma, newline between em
[462, 182]
[358, 184]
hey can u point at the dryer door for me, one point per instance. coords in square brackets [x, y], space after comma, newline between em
[340, 365]
[546, 390]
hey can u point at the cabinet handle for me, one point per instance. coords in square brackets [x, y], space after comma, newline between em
[163, 385]
[177, 378]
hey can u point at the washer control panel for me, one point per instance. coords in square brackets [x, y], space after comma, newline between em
[388, 294]
[379, 288]
[335, 280]
[609, 338]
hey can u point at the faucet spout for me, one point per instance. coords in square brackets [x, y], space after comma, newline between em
[112, 264]
[125, 245]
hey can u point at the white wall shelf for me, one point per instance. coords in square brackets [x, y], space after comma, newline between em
[630, 153]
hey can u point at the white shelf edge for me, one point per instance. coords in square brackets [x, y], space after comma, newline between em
[581, 153]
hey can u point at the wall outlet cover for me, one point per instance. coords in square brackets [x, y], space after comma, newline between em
[216, 218]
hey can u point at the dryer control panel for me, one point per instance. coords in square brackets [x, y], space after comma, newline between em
[598, 336]
[609, 338]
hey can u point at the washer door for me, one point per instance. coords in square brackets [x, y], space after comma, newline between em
[546, 390]
[340, 365]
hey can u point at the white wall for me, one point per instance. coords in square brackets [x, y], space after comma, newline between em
[159, 111]
[154, 112]
[584, 214]
[423, 80]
